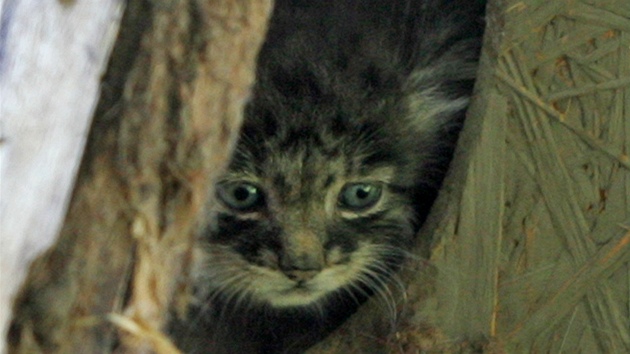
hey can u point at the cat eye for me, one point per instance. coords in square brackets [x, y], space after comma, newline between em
[359, 196]
[241, 196]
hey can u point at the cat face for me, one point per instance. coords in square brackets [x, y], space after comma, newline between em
[323, 194]
[305, 223]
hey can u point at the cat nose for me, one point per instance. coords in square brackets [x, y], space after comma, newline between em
[300, 268]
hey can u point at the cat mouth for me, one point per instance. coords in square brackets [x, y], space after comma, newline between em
[298, 293]
[299, 289]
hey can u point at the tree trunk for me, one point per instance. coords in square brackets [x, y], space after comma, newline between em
[168, 115]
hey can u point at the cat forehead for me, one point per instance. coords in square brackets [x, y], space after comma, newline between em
[305, 144]
[303, 166]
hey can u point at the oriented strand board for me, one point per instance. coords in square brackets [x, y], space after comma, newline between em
[564, 285]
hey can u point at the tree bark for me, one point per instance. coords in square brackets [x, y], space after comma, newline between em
[167, 119]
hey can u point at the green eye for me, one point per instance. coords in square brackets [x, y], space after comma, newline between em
[359, 196]
[241, 196]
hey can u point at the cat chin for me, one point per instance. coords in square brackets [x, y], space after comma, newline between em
[296, 298]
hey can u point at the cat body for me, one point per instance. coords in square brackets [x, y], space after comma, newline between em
[344, 144]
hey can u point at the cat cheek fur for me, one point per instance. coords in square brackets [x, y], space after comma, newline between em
[239, 280]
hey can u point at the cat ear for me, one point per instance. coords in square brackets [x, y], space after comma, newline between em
[431, 112]
[438, 91]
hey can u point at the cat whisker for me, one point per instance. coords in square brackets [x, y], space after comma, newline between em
[378, 284]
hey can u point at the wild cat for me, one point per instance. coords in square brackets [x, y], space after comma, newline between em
[344, 144]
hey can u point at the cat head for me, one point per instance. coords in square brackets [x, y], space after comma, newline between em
[307, 225]
[337, 160]
[316, 203]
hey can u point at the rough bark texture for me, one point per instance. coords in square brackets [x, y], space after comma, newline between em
[531, 234]
[179, 75]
